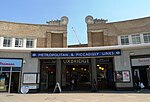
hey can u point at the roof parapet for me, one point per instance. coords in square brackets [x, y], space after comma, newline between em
[100, 20]
[63, 21]
[89, 20]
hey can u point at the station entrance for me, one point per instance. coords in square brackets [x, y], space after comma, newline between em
[105, 77]
[48, 75]
[77, 75]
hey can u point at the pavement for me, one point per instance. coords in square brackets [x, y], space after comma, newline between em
[116, 96]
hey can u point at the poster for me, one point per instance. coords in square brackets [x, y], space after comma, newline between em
[122, 76]
[119, 76]
[126, 76]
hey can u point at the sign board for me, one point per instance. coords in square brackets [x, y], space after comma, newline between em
[30, 78]
[140, 61]
[76, 54]
[10, 62]
[76, 61]
[32, 87]
[57, 86]
[24, 89]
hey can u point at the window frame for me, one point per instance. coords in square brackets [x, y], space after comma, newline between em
[147, 36]
[136, 39]
[124, 40]
[20, 42]
[29, 41]
[8, 42]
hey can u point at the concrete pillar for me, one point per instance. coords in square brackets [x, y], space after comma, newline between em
[1, 41]
[142, 38]
[24, 42]
[13, 42]
[35, 43]
[58, 71]
[63, 70]
[94, 72]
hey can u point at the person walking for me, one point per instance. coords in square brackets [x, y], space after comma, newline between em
[72, 84]
[137, 83]
[94, 86]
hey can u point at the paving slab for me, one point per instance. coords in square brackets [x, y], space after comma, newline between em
[76, 97]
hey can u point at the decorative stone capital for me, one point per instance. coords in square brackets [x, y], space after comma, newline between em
[64, 20]
[89, 19]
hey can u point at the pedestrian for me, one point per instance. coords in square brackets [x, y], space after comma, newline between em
[72, 84]
[137, 83]
[94, 89]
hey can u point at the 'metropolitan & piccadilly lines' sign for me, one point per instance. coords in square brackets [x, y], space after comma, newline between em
[76, 54]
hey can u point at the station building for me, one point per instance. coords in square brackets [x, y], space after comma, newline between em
[37, 56]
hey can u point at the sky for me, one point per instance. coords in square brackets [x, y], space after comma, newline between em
[40, 11]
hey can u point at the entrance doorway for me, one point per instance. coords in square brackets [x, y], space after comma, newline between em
[142, 73]
[48, 75]
[105, 77]
[81, 76]
[14, 82]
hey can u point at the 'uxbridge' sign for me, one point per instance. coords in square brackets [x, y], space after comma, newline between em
[76, 54]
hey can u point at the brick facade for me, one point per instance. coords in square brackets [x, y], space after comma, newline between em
[38, 31]
[101, 33]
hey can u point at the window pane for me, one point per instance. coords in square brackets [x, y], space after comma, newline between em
[6, 69]
[18, 42]
[136, 39]
[124, 40]
[16, 69]
[146, 38]
[7, 42]
[29, 43]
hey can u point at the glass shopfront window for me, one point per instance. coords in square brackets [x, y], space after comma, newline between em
[10, 74]
[4, 81]
[6, 69]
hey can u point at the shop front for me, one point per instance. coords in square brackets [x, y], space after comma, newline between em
[10, 71]
[141, 69]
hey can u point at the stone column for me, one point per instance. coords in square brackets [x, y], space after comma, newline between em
[65, 39]
[105, 37]
[89, 39]
[94, 72]
[48, 40]
[58, 71]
